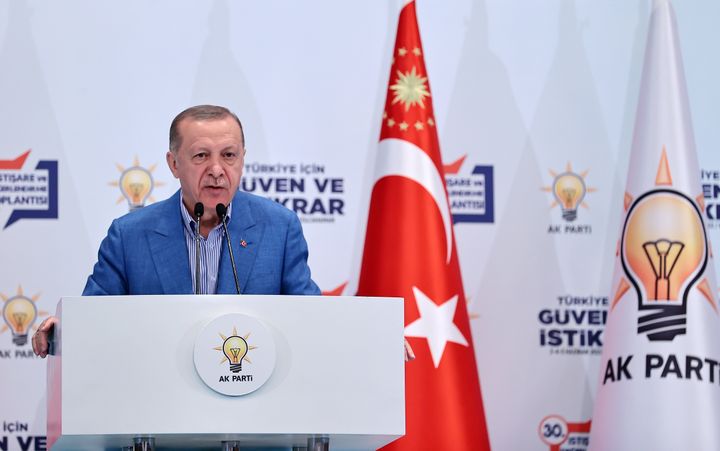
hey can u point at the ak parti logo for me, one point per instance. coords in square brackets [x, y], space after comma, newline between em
[664, 252]
[20, 314]
[235, 374]
[136, 184]
[569, 190]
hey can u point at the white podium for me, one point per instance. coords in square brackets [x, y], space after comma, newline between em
[123, 367]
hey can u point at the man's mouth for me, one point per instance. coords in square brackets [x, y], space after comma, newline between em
[214, 190]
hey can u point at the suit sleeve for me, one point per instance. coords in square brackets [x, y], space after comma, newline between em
[296, 279]
[108, 277]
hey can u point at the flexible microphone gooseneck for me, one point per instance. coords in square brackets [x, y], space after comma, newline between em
[199, 210]
[221, 210]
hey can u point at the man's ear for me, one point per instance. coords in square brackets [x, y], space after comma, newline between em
[172, 163]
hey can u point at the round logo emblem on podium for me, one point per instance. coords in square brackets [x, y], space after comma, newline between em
[234, 354]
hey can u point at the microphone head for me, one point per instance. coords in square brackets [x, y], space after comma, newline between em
[221, 211]
[199, 209]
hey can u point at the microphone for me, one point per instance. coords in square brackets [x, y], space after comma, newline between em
[221, 211]
[198, 211]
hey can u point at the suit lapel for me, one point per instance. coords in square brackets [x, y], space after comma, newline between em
[169, 250]
[242, 229]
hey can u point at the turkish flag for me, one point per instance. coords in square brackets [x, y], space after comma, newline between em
[410, 252]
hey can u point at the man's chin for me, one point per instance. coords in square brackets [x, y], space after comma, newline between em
[211, 200]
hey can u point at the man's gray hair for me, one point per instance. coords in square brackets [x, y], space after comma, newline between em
[200, 113]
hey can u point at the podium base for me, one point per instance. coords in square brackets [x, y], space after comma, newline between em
[318, 443]
[143, 444]
[231, 446]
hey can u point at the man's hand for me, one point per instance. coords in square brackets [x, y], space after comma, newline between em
[409, 354]
[40, 338]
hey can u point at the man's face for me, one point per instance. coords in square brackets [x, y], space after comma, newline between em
[208, 163]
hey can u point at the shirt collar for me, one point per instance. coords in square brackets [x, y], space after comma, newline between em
[189, 222]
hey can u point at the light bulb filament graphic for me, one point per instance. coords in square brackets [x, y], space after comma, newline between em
[136, 190]
[662, 255]
[19, 320]
[568, 196]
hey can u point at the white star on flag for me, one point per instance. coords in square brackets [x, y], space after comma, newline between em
[435, 324]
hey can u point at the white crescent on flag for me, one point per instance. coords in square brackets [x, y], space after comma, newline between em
[404, 159]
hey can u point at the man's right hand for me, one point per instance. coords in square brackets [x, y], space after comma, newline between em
[40, 338]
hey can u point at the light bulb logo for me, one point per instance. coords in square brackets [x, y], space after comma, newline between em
[569, 189]
[235, 348]
[664, 253]
[136, 184]
[19, 314]
[224, 363]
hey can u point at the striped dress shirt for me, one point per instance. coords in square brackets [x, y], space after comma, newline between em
[210, 249]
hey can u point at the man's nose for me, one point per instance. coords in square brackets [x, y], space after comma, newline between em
[215, 167]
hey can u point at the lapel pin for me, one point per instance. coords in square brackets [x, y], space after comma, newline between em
[243, 243]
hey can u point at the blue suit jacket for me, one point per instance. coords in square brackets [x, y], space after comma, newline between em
[145, 252]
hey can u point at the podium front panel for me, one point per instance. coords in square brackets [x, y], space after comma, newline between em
[125, 368]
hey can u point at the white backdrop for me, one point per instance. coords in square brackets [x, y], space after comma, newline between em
[529, 88]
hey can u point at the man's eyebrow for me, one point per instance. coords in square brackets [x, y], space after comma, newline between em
[204, 148]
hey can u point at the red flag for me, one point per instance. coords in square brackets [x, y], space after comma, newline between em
[410, 252]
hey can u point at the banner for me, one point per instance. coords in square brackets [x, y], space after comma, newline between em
[659, 368]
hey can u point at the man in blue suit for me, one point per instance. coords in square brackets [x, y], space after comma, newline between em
[152, 250]
[146, 252]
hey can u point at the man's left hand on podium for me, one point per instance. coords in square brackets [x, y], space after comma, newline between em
[40, 340]
[409, 354]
